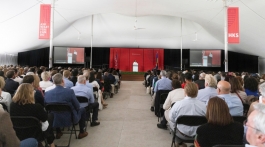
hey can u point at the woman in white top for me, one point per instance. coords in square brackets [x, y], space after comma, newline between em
[45, 80]
[5, 96]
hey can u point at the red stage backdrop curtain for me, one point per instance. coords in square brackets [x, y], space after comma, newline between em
[123, 58]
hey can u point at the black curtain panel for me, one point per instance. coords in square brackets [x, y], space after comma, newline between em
[38, 57]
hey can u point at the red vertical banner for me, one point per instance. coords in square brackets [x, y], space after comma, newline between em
[233, 25]
[44, 26]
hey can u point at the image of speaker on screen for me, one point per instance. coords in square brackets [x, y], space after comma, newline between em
[205, 58]
[71, 56]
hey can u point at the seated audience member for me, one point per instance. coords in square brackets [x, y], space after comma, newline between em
[237, 89]
[173, 96]
[261, 98]
[37, 94]
[24, 105]
[188, 106]
[53, 72]
[39, 71]
[45, 80]
[251, 86]
[36, 84]
[99, 80]
[5, 96]
[201, 81]
[210, 89]
[65, 96]
[8, 136]
[117, 79]
[255, 134]
[86, 73]
[11, 85]
[107, 84]
[220, 129]
[2, 74]
[68, 83]
[17, 78]
[234, 103]
[163, 84]
[82, 90]
[74, 76]
[188, 79]
[92, 80]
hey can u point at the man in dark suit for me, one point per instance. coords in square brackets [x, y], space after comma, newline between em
[11, 85]
[65, 96]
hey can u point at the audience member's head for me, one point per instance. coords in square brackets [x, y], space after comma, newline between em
[251, 84]
[24, 94]
[74, 72]
[235, 85]
[2, 83]
[191, 90]
[218, 112]
[10, 74]
[66, 73]
[81, 79]
[86, 73]
[36, 82]
[32, 69]
[188, 77]
[45, 76]
[210, 81]
[92, 76]
[202, 76]
[223, 87]
[239, 78]
[175, 84]
[163, 73]
[2, 74]
[28, 79]
[256, 129]
[58, 79]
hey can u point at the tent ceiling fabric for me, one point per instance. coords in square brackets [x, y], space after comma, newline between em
[114, 22]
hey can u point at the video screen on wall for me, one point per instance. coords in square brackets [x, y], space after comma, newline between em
[205, 58]
[68, 55]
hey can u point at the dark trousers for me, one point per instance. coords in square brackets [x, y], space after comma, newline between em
[163, 121]
[49, 132]
[82, 122]
[94, 106]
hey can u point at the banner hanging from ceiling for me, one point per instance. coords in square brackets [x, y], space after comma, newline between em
[44, 26]
[233, 25]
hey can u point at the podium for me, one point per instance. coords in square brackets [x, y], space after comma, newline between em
[135, 67]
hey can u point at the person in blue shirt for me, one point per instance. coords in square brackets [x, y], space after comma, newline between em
[82, 90]
[233, 102]
[66, 75]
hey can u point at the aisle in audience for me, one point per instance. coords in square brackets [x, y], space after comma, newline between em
[126, 122]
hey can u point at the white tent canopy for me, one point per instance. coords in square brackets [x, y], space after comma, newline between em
[115, 22]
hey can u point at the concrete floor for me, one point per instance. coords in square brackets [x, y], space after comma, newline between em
[126, 122]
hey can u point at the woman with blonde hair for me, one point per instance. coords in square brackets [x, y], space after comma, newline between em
[45, 80]
[221, 128]
[23, 104]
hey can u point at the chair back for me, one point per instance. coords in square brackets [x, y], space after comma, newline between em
[191, 120]
[229, 146]
[239, 119]
[246, 108]
[57, 107]
[27, 127]
[163, 97]
[95, 89]
[82, 99]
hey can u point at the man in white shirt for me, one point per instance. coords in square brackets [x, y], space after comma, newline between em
[210, 89]
[255, 127]
[188, 106]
